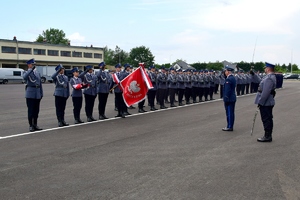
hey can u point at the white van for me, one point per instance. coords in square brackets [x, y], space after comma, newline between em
[11, 75]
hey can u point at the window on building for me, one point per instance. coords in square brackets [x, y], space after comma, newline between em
[24, 50]
[98, 55]
[77, 54]
[52, 52]
[65, 53]
[39, 51]
[8, 49]
[88, 55]
[16, 73]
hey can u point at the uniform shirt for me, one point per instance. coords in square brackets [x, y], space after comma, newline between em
[180, 81]
[61, 85]
[229, 89]
[172, 79]
[121, 76]
[188, 81]
[264, 96]
[162, 80]
[194, 80]
[76, 92]
[34, 88]
[153, 78]
[90, 79]
[104, 81]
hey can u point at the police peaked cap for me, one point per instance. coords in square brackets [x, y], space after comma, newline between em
[58, 67]
[269, 65]
[31, 61]
[75, 69]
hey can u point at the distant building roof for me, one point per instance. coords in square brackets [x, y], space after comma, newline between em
[182, 65]
[232, 65]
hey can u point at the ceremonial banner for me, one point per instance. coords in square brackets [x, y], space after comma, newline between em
[135, 86]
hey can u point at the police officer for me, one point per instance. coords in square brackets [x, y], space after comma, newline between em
[61, 93]
[162, 79]
[211, 84]
[229, 98]
[194, 85]
[104, 85]
[180, 86]
[222, 82]
[33, 94]
[172, 80]
[77, 85]
[120, 104]
[206, 84]
[188, 85]
[90, 92]
[265, 101]
[152, 92]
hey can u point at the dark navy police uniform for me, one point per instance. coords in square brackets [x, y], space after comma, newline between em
[229, 98]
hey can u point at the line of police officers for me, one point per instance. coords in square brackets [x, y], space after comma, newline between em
[189, 84]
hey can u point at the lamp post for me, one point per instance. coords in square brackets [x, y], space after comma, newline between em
[15, 39]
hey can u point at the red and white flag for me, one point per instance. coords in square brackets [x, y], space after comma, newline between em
[135, 86]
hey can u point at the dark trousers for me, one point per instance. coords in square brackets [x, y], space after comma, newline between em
[221, 91]
[247, 88]
[216, 88]
[166, 94]
[77, 105]
[33, 106]
[102, 97]
[151, 97]
[180, 94]
[201, 93]
[60, 105]
[188, 93]
[211, 92]
[161, 95]
[238, 89]
[120, 102]
[194, 93]
[229, 108]
[206, 92]
[172, 95]
[243, 87]
[141, 104]
[267, 117]
[89, 104]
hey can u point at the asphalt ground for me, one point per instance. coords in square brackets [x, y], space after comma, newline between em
[178, 153]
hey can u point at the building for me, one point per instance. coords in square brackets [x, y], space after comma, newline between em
[182, 65]
[15, 53]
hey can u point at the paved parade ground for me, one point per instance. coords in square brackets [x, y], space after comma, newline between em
[178, 153]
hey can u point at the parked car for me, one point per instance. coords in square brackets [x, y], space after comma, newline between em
[11, 75]
[291, 76]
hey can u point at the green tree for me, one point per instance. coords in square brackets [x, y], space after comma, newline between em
[140, 54]
[120, 56]
[108, 56]
[53, 36]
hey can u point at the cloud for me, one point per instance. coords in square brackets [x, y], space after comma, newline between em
[76, 39]
[249, 16]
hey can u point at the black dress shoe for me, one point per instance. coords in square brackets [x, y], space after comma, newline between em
[264, 139]
[104, 117]
[119, 115]
[152, 109]
[37, 128]
[89, 119]
[180, 104]
[173, 105]
[195, 102]
[131, 107]
[80, 121]
[64, 123]
[141, 111]
[206, 99]
[144, 110]
[60, 124]
[92, 118]
[188, 103]
[101, 117]
[116, 109]
[200, 100]
[123, 115]
[126, 113]
[212, 99]
[227, 129]
[31, 129]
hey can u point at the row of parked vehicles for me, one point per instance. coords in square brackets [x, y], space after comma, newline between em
[14, 75]
[291, 76]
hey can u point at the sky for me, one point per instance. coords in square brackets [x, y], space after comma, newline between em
[190, 30]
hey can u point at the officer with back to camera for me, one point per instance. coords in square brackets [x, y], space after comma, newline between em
[61, 93]
[33, 94]
[265, 101]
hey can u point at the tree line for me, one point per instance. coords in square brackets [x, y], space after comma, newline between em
[143, 54]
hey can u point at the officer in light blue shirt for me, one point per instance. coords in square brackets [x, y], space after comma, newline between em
[265, 101]
[77, 86]
[61, 93]
[33, 94]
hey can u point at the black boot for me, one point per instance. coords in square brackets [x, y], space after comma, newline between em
[64, 123]
[78, 121]
[152, 108]
[266, 138]
[141, 110]
[123, 114]
[119, 114]
[60, 124]
[35, 126]
[92, 118]
[31, 129]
